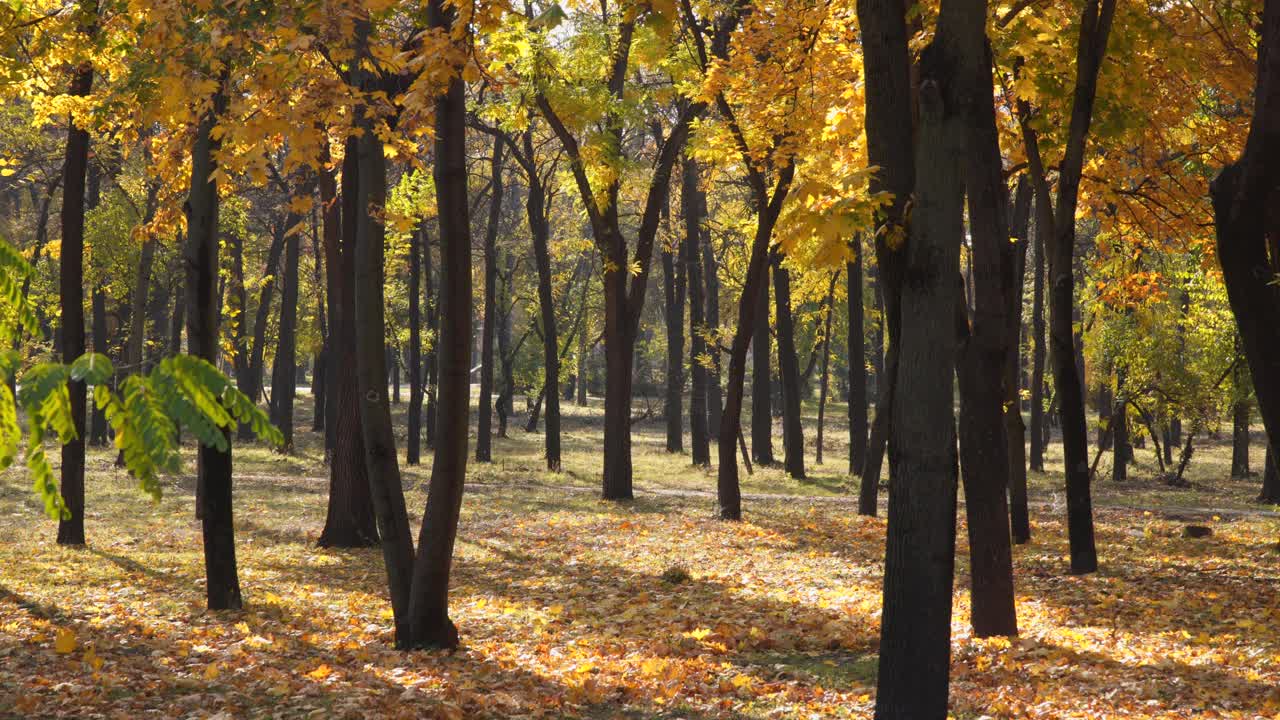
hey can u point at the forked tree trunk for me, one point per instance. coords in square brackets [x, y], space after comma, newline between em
[349, 521]
[915, 630]
[222, 583]
[430, 625]
[71, 292]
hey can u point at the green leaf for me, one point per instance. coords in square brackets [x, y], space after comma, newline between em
[93, 368]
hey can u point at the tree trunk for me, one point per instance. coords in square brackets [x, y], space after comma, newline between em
[915, 629]
[222, 583]
[1240, 416]
[890, 147]
[98, 422]
[857, 363]
[484, 427]
[506, 354]
[1044, 225]
[826, 367]
[429, 609]
[252, 384]
[789, 371]
[349, 521]
[319, 376]
[693, 202]
[540, 229]
[71, 293]
[711, 311]
[985, 357]
[1121, 453]
[1270, 493]
[750, 319]
[413, 447]
[284, 383]
[673, 283]
[371, 351]
[761, 380]
[1015, 430]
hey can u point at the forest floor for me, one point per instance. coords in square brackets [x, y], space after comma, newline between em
[573, 607]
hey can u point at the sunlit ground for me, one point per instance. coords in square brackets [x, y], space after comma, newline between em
[569, 606]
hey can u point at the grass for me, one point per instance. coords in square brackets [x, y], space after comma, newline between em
[571, 607]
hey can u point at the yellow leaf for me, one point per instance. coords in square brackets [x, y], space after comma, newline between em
[211, 671]
[65, 642]
[320, 673]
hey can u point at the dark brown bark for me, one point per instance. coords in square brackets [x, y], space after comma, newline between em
[1015, 430]
[693, 202]
[857, 363]
[1240, 416]
[761, 380]
[915, 629]
[1044, 215]
[674, 288]
[413, 447]
[430, 625]
[349, 520]
[284, 380]
[540, 230]
[252, 384]
[433, 322]
[319, 376]
[222, 584]
[789, 372]
[371, 351]
[1121, 452]
[484, 416]
[1270, 492]
[985, 359]
[890, 147]
[71, 292]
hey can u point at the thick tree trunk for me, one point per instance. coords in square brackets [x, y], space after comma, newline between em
[915, 628]
[761, 379]
[789, 371]
[222, 583]
[429, 604]
[857, 363]
[540, 229]
[693, 202]
[985, 357]
[413, 447]
[71, 293]
[484, 417]
[890, 147]
[349, 521]
[673, 284]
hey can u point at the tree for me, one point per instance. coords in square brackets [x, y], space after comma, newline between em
[857, 363]
[789, 369]
[71, 288]
[413, 446]
[1242, 195]
[693, 204]
[484, 429]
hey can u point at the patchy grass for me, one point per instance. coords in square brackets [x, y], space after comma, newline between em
[571, 607]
